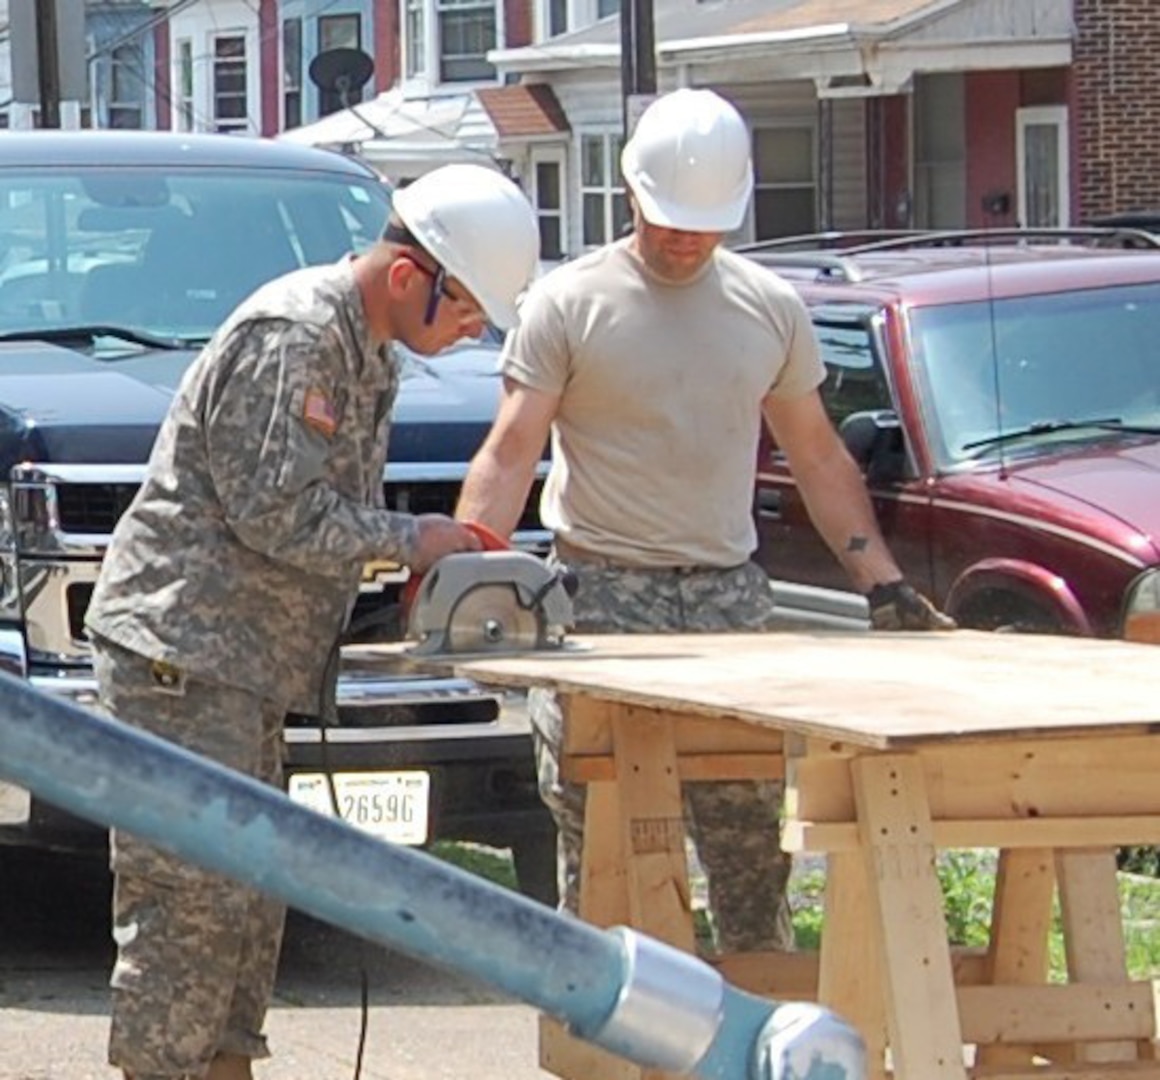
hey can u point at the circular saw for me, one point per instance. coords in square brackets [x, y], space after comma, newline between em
[490, 602]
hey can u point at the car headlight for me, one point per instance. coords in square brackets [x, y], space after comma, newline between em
[1141, 619]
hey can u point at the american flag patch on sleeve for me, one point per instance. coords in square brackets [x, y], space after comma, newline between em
[318, 412]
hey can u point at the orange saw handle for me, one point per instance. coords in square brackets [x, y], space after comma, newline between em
[489, 540]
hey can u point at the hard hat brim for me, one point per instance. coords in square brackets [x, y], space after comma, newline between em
[725, 218]
[502, 314]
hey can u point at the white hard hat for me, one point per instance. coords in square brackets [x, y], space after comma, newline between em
[688, 163]
[477, 224]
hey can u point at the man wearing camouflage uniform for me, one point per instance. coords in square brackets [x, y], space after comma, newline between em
[651, 363]
[229, 580]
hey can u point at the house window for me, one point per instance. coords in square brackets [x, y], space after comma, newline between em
[230, 112]
[126, 90]
[466, 36]
[415, 37]
[548, 199]
[557, 13]
[602, 202]
[785, 189]
[338, 32]
[183, 84]
[291, 73]
[1042, 163]
[604, 8]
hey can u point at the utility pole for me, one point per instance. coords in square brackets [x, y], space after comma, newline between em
[638, 59]
[48, 63]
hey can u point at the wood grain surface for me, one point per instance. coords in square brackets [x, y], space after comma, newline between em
[878, 690]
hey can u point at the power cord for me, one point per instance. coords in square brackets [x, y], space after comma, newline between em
[324, 724]
[326, 719]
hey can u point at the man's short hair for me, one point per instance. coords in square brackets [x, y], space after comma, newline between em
[398, 233]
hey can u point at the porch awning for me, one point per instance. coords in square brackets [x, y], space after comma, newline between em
[525, 111]
[405, 137]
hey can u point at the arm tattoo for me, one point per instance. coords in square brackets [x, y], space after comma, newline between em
[857, 544]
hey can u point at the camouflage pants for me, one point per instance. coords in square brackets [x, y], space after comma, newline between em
[733, 824]
[197, 953]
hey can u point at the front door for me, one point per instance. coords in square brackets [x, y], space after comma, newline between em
[1042, 159]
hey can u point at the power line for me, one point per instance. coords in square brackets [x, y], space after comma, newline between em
[143, 28]
[152, 86]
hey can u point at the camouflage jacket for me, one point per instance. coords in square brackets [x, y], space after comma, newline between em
[240, 557]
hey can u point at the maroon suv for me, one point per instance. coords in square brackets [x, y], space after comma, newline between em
[1003, 397]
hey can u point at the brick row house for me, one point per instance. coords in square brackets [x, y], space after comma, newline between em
[864, 113]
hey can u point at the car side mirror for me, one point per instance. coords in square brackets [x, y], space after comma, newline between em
[874, 440]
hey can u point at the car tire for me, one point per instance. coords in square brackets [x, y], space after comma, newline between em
[1006, 613]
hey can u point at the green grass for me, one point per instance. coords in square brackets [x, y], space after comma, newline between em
[482, 861]
[968, 883]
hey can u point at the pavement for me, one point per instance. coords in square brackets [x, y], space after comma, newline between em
[422, 1023]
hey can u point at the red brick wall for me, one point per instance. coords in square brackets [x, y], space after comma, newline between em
[517, 17]
[162, 88]
[386, 45]
[388, 37]
[270, 68]
[991, 100]
[888, 151]
[1117, 105]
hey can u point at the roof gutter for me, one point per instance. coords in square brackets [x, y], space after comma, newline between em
[590, 55]
[741, 45]
[555, 58]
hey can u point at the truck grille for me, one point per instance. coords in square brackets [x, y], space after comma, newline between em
[93, 509]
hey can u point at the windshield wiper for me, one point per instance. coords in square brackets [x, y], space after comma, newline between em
[1047, 427]
[89, 333]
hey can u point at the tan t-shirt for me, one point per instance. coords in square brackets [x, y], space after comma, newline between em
[654, 445]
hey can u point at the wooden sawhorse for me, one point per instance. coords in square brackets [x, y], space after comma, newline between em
[893, 748]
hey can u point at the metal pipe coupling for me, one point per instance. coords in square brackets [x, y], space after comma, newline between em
[669, 1009]
[803, 1041]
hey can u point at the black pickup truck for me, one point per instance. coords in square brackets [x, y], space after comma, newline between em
[120, 253]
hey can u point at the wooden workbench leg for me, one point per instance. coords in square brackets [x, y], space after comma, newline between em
[1093, 931]
[1020, 926]
[603, 875]
[850, 966]
[653, 826]
[897, 842]
[633, 869]
[603, 902]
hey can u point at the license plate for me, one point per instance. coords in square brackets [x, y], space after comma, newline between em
[389, 805]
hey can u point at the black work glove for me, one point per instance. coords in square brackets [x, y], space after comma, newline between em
[899, 606]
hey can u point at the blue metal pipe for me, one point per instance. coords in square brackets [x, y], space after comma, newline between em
[618, 989]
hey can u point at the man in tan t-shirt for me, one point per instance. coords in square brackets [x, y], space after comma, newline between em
[652, 363]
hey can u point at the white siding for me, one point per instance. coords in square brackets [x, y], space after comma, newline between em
[850, 183]
[767, 104]
[201, 23]
[995, 20]
[592, 102]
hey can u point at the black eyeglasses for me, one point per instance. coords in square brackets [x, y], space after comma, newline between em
[439, 289]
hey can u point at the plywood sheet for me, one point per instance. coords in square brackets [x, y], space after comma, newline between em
[878, 690]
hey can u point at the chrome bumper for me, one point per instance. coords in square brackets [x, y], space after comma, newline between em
[361, 687]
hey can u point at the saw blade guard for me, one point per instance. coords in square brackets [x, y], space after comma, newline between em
[489, 540]
[490, 601]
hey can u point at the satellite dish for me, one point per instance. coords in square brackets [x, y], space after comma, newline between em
[341, 71]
